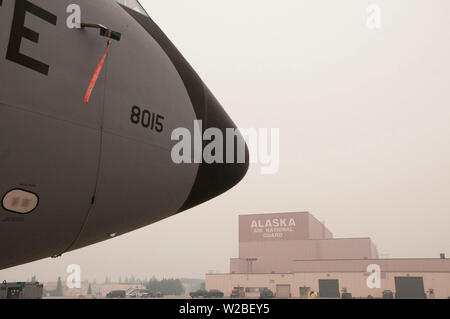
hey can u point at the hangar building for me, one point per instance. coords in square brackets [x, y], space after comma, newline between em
[293, 253]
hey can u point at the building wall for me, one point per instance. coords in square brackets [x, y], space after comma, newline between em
[239, 266]
[355, 282]
[281, 251]
[281, 227]
[386, 265]
[374, 250]
[305, 251]
[346, 248]
[317, 229]
[275, 240]
[279, 256]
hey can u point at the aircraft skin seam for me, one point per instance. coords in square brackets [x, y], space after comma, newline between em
[107, 131]
[99, 165]
[56, 118]
[110, 132]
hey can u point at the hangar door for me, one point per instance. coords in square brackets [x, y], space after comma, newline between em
[329, 288]
[283, 291]
[409, 288]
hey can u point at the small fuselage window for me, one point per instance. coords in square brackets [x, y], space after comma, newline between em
[133, 4]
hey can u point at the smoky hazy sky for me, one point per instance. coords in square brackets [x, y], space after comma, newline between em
[364, 118]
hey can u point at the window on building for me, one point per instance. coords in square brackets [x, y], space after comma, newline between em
[133, 4]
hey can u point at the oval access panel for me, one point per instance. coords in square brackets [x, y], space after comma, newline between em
[20, 201]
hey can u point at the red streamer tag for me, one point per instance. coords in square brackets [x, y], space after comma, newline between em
[96, 74]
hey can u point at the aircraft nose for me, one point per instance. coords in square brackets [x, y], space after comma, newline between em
[216, 178]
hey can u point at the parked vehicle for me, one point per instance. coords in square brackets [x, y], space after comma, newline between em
[152, 295]
[266, 294]
[388, 294]
[235, 293]
[214, 294]
[199, 293]
[147, 295]
[346, 295]
[157, 294]
[21, 290]
[116, 294]
[137, 293]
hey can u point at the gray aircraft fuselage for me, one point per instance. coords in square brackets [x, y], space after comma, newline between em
[73, 173]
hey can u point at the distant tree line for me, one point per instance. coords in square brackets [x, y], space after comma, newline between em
[172, 287]
[132, 281]
[58, 292]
